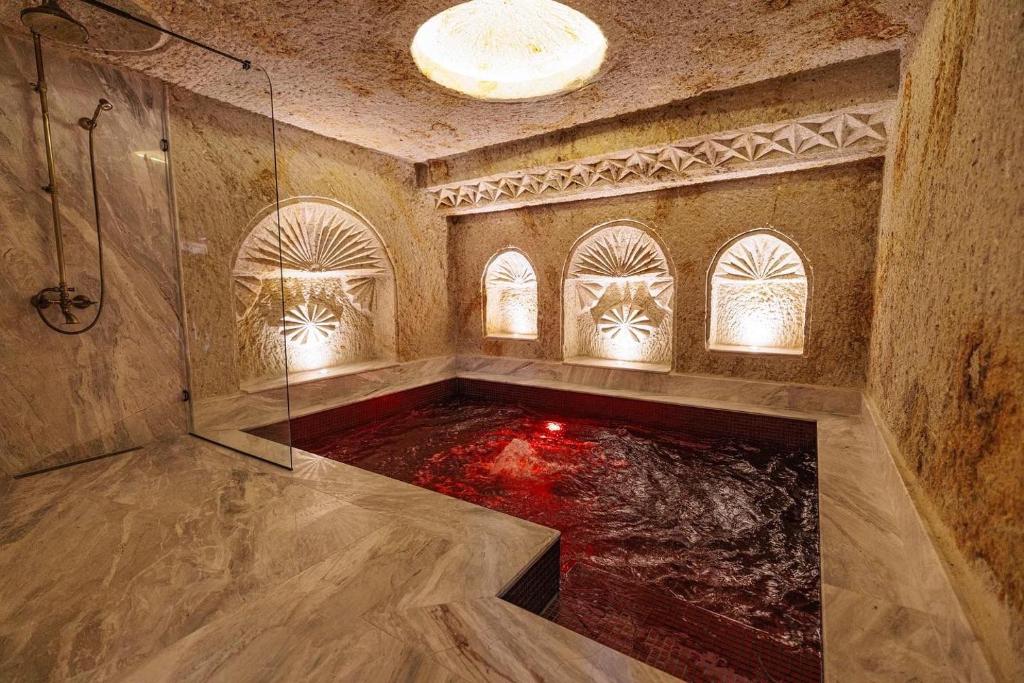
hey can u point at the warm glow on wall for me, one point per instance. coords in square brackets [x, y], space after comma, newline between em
[328, 266]
[758, 297]
[509, 49]
[617, 299]
[510, 294]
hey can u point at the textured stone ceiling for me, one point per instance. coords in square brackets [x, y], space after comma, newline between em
[343, 69]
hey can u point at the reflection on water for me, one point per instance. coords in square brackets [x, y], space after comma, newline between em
[728, 526]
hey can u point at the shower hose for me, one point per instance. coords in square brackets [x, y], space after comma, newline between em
[99, 242]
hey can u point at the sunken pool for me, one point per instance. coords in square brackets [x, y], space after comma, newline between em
[689, 536]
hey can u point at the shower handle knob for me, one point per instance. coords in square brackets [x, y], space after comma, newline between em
[82, 301]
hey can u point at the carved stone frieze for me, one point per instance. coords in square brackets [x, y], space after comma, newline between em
[823, 139]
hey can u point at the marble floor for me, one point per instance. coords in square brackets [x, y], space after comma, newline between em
[186, 561]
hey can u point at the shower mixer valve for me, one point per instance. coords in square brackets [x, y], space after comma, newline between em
[61, 297]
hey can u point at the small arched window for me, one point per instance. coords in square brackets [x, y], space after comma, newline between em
[510, 296]
[758, 292]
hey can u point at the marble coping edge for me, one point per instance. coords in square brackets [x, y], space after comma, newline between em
[673, 399]
[784, 399]
[848, 405]
[556, 538]
[988, 617]
[383, 390]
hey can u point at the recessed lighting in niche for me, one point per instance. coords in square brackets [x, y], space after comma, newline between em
[510, 296]
[506, 50]
[758, 288]
[617, 296]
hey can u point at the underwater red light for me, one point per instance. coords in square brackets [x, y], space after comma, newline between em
[553, 427]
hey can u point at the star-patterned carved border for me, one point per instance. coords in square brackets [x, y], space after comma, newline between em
[835, 137]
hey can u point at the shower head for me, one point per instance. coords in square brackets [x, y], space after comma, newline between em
[51, 21]
[102, 105]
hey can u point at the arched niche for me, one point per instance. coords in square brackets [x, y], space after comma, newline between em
[758, 289]
[338, 286]
[617, 297]
[510, 296]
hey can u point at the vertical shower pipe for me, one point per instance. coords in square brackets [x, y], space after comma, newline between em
[40, 88]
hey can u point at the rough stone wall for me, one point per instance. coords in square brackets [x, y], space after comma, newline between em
[224, 177]
[871, 79]
[830, 213]
[343, 69]
[67, 398]
[947, 356]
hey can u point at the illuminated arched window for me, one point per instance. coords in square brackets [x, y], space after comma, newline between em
[758, 295]
[510, 296]
[617, 299]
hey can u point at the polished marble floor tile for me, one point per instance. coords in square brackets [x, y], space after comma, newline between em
[489, 639]
[185, 561]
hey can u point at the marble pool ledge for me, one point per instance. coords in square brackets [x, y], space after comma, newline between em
[203, 564]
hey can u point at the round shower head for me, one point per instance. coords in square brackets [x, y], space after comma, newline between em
[51, 21]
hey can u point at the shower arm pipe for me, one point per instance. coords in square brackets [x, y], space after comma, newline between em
[51, 189]
[246, 64]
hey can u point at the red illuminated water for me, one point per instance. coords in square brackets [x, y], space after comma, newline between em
[652, 522]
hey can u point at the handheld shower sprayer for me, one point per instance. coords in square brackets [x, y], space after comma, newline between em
[102, 105]
[50, 20]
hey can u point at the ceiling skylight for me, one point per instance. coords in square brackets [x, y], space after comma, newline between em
[509, 49]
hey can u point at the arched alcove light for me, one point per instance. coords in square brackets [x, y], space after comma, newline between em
[510, 296]
[338, 284]
[509, 49]
[617, 296]
[758, 292]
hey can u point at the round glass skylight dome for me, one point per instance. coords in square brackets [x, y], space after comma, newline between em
[509, 49]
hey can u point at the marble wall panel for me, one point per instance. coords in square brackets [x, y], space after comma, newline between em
[831, 214]
[67, 398]
[946, 358]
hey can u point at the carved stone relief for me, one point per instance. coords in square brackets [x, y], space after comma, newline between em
[820, 140]
[758, 296]
[324, 286]
[510, 295]
[617, 299]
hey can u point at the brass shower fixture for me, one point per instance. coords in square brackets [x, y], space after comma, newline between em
[50, 20]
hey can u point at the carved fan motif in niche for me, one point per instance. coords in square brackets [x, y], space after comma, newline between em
[510, 296]
[757, 301]
[309, 323]
[330, 269]
[618, 298]
[316, 239]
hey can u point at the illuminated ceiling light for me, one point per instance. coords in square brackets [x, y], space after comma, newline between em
[509, 49]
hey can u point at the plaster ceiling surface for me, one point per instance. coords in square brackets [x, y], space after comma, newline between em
[344, 70]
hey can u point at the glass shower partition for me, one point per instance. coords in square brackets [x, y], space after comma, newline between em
[224, 170]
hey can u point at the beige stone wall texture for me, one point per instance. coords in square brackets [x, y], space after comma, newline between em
[343, 69]
[830, 213]
[224, 177]
[947, 356]
[870, 79]
[66, 398]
